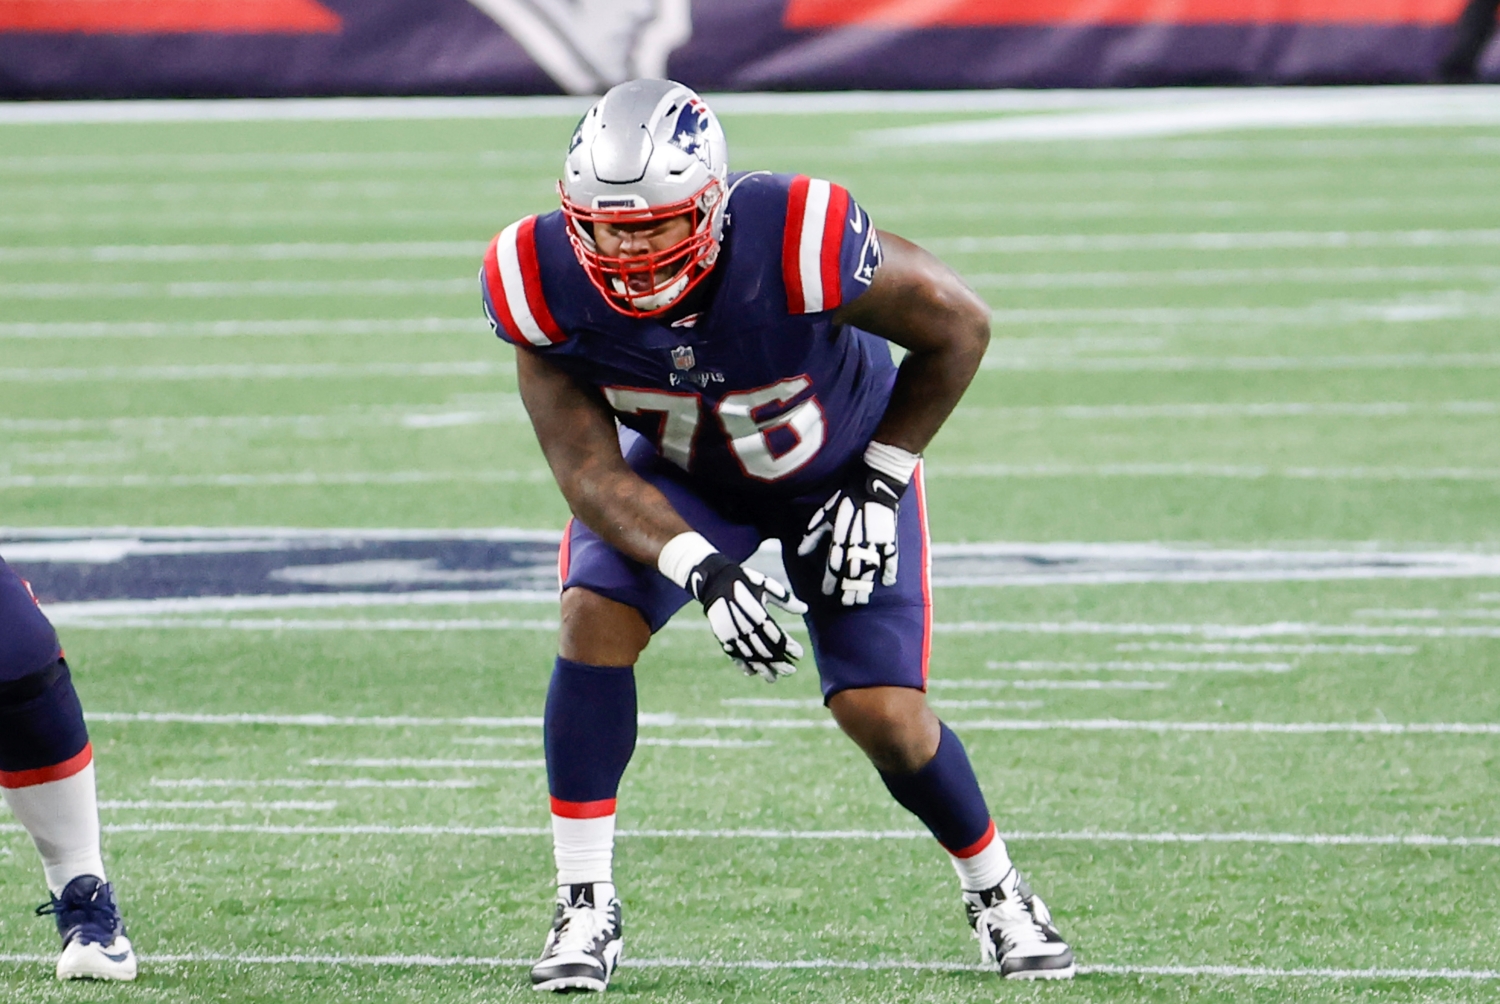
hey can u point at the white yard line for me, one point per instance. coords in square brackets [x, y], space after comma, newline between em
[1254, 648]
[707, 743]
[1045, 685]
[1441, 307]
[835, 836]
[940, 702]
[671, 720]
[284, 479]
[345, 423]
[996, 361]
[1266, 409]
[1253, 240]
[1279, 629]
[294, 328]
[777, 965]
[285, 806]
[1226, 276]
[348, 251]
[424, 763]
[250, 371]
[1428, 613]
[1136, 666]
[308, 782]
[497, 740]
[1233, 472]
[277, 288]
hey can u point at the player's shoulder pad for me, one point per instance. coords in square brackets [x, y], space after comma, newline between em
[511, 284]
[829, 250]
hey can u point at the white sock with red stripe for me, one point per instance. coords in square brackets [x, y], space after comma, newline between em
[983, 868]
[62, 817]
[584, 849]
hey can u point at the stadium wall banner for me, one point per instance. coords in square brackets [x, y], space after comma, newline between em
[271, 48]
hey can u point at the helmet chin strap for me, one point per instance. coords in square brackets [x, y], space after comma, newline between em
[653, 301]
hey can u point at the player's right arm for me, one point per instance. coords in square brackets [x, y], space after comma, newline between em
[576, 431]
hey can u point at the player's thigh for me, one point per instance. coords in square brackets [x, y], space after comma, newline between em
[27, 642]
[887, 642]
[587, 562]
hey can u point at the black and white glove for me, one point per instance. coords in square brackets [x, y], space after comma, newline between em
[860, 521]
[735, 598]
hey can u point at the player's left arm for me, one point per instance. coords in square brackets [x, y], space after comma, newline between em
[920, 304]
[923, 306]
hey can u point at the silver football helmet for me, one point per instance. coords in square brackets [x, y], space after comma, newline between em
[647, 151]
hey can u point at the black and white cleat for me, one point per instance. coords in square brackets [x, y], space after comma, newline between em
[1016, 934]
[586, 941]
[93, 934]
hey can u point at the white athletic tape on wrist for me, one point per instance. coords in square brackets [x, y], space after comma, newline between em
[892, 461]
[682, 554]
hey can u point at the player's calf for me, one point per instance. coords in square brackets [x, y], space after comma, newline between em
[47, 775]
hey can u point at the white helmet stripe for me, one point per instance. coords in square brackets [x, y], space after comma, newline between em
[514, 285]
[810, 244]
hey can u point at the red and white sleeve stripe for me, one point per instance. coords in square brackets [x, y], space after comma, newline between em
[811, 244]
[514, 282]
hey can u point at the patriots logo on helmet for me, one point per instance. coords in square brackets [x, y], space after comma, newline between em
[691, 132]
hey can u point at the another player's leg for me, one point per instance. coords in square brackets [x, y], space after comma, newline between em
[47, 776]
[589, 729]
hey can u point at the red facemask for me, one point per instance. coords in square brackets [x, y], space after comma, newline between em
[682, 266]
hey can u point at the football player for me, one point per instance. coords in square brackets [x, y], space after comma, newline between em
[735, 326]
[47, 774]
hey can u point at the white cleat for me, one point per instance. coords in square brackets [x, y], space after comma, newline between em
[93, 934]
[586, 941]
[90, 960]
[1015, 932]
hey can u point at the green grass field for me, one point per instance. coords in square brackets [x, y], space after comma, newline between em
[1293, 391]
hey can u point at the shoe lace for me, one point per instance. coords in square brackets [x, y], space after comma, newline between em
[580, 928]
[94, 917]
[1012, 921]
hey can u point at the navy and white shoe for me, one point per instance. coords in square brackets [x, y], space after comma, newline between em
[585, 943]
[1015, 932]
[93, 934]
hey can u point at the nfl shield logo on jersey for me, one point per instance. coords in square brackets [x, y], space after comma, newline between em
[682, 357]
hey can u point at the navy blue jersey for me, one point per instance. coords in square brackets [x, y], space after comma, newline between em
[760, 391]
[27, 642]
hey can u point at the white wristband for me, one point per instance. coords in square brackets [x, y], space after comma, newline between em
[892, 461]
[682, 554]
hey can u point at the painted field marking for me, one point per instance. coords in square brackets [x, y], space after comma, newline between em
[419, 762]
[308, 782]
[1232, 276]
[1266, 409]
[1427, 613]
[672, 720]
[705, 743]
[1232, 472]
[776, 965]
[1135, 666]
[294, 328]
[1256, 648]
[994, 361]
[1213, 241]
[1445, 306]
[362, 163]
[498, 740]
[1487, 597]
[287, 479]
[284, 806]
[277, 288]
[250, 371]
[302, 251]
[162, 426]
[1059, 836]
[1045, 685]
[81, 618]
[938, 702]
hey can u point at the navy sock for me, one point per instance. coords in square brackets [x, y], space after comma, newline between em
[945, 795]
[41, 721]
[589, 731]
